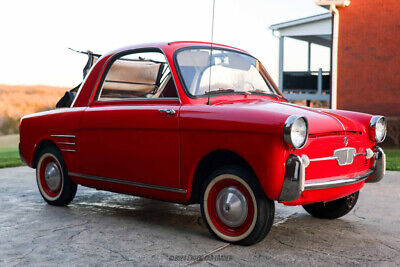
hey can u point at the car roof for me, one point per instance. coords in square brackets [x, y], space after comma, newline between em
[174, 45]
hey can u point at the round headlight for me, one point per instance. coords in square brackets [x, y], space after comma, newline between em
[378, 128]
[295, 131]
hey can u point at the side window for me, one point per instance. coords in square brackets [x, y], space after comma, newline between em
[138, 75]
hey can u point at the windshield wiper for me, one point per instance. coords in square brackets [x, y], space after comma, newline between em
[230, 90]
[220, 90]
[259, 91]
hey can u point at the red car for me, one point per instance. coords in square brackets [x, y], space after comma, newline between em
[188, 122]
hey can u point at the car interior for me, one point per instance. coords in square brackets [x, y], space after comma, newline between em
[139, 75]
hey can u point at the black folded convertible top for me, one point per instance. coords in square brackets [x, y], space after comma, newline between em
[69, 96]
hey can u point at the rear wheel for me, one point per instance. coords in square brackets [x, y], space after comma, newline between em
[52, 178]
[235, 208]
[333, 209]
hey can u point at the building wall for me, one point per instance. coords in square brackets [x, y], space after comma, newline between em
[369, 57]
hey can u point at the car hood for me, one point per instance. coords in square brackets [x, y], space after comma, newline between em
[319, 120]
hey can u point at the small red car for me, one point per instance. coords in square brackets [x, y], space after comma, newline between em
[194, 122]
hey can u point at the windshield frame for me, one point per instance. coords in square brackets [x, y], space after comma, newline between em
[276, 93]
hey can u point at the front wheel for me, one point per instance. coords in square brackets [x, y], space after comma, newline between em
[333, 209]
[52, 178]
[235, 208]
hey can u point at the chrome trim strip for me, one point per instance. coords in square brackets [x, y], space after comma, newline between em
[337, 183]
[324, 158]
[335, 158]
[62, 135]
[66, 143]
[139, 99]
[68, 150]
[130, 183]
[330, 115]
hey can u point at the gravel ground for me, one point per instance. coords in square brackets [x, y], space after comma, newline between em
[106, 229]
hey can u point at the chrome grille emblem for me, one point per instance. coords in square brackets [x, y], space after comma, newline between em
[344, 156]
[345, 141]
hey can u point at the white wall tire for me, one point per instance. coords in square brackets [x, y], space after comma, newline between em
[52, 178]
[234, 207]
[44, 188]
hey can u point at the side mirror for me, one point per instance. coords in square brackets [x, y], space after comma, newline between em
[66, 100]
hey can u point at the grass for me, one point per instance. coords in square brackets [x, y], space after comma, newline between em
[392, 159]
[9, 157]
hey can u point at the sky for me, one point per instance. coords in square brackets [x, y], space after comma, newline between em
[35, 35]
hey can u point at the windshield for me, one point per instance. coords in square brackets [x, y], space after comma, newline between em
[231, 72]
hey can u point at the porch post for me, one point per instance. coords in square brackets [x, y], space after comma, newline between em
[281, 53]
[309, 57]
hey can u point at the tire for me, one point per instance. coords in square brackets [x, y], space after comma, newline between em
[52, 178]
[245, 223]
[333, 209]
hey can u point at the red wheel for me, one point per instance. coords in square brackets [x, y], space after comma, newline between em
[52, 178]
[231, 207]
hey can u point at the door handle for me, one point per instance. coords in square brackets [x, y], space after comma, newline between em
[167, 111]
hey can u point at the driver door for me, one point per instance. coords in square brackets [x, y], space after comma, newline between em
[130, 133]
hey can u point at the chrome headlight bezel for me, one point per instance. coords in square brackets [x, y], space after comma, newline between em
[372, 128]
[287, 131]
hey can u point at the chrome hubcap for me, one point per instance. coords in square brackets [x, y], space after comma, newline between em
[52, 176]
[231, 207]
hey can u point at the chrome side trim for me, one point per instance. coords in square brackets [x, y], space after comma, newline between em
[62, 135]
[324, 158]
[68, 150]
[336, 158]
[336, 183]
[130, 183]
[66, 143]
[332, 116]
[138, 99]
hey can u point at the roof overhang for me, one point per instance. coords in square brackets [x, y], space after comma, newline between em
[315, 29]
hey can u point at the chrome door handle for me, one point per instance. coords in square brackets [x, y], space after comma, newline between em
[167, 111]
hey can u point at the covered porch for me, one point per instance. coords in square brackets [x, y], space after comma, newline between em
[306, 84]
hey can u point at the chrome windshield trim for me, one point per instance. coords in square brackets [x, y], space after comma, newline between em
[63, 135]
[337, 183]
[130, 183]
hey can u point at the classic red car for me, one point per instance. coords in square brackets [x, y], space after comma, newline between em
[191, 122]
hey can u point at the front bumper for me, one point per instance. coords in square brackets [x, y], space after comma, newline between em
[294, 181]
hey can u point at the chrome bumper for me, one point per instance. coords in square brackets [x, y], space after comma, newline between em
[294, 181]
[379, 166]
